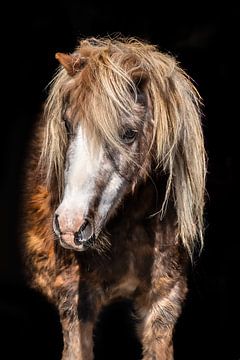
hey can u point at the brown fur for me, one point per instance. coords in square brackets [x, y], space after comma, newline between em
[145, 261]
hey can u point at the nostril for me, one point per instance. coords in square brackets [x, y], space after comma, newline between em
[56, 226]
[84, 233]
[78, 238]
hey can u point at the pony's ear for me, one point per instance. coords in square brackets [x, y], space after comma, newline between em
[71, 63]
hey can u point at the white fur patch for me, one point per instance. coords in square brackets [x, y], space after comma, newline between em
[86, 167]
[80, 177]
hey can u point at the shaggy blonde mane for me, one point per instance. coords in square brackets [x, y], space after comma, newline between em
[99, 95]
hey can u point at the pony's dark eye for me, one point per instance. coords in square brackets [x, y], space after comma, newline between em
[128, 136]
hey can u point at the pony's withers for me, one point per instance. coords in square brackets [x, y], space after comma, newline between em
[116, 190]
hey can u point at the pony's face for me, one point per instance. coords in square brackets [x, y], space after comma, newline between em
[97, 178]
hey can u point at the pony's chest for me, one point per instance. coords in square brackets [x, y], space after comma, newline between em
[129, 267]
[126, 286]
[124, 280]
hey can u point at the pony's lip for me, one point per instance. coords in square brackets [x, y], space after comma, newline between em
[81, 246]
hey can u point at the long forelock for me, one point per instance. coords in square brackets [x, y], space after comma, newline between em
[109, 95]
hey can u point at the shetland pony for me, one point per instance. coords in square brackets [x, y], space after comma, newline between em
[115, 191]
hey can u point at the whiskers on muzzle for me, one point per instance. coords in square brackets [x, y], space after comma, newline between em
[102, 244]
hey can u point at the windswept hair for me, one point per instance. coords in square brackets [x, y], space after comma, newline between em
[99, 93]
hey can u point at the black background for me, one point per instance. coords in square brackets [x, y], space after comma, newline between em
[205, 41]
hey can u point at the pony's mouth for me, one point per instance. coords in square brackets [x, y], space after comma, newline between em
[68, 242]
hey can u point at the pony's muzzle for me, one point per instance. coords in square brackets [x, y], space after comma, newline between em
[76, 240]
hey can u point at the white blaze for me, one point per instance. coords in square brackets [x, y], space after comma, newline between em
[84, 164]
[85, 167]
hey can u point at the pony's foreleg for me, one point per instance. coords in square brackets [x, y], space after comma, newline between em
[156, 342]
[78, 340]
[157, 317]
[78, 314]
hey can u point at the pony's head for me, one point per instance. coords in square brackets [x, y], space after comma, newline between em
[118, 110]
